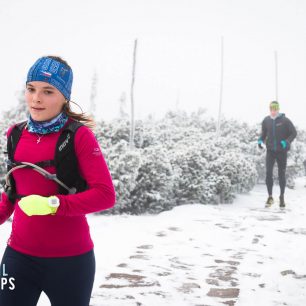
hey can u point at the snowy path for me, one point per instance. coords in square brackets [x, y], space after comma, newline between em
[240, 254]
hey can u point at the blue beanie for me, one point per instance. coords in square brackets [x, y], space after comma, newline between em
[57, 74]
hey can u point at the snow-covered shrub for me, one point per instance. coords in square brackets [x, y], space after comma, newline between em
[191, 169]
[154, 183]
[124, 166]
[218, 189]
[240, 172]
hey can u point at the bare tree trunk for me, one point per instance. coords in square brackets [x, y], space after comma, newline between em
[221, 88]
[132, 130]
[122, 106]
[93, 95]
[276, 76]
[177, 100]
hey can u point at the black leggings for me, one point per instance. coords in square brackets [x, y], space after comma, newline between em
[281, 159]
[67, 281]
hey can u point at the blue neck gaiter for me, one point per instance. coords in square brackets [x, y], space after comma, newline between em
[46, 127]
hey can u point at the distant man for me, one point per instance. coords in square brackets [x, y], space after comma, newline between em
[277, 133]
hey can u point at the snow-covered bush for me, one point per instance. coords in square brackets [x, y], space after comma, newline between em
[240, 172]
[191, 169]
[153, 191]
[124, 166]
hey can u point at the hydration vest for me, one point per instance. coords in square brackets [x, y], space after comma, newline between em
[65, 160]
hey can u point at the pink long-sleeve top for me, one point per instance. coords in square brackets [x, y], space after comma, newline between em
[67, 232]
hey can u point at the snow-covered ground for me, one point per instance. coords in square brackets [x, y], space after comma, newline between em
[240, 254]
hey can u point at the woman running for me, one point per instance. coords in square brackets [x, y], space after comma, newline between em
[57, 175]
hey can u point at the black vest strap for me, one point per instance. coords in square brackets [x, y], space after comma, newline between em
[42, 164]
[12, 141]
[14, 138]
[66, 162]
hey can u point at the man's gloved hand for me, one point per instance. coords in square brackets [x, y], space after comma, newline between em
[260, 143]
[35, 205]
[284, 144]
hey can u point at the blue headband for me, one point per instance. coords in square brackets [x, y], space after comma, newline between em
[57, 74]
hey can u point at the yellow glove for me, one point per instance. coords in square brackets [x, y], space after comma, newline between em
[38, 206]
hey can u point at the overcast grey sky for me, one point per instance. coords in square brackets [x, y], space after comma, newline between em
[178, 52]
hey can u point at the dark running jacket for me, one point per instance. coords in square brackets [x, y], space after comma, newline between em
[276, 130]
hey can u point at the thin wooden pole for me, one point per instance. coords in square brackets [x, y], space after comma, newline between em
[276, 75]
[132, 130]
[221, 87]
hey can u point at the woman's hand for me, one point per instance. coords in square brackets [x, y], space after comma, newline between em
[35, 205]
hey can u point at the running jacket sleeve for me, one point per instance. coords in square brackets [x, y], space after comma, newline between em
[292, 131]
[93, 168]
[6, 208]
[263, 135]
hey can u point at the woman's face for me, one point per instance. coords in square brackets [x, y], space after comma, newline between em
[44, 101]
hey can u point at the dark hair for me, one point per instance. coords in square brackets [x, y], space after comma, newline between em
[81, 117]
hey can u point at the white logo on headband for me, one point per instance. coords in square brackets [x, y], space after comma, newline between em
[47, 74]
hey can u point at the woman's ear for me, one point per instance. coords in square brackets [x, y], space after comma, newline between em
[65, 105]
